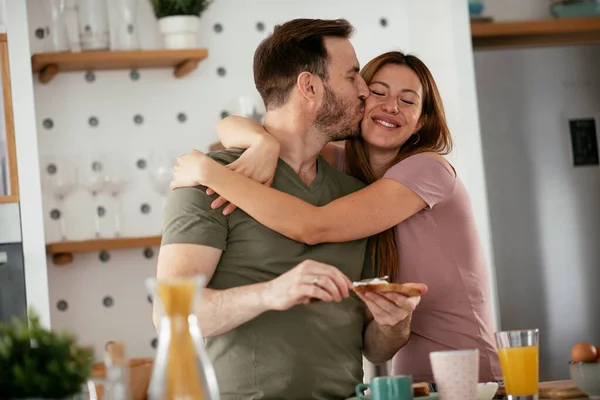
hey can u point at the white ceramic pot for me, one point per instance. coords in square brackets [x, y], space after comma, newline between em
[180, 32]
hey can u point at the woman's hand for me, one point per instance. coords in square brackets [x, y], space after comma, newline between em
[192, 169]
[257, 163]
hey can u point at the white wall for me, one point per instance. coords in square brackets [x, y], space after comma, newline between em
[517, 10]
[543, 210]
[36, 278]
[2, 16]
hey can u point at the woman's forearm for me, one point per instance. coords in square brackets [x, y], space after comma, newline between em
[242, 133]
[301, 222]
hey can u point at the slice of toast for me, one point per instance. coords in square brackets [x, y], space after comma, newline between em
[420, 389]
[386, 288]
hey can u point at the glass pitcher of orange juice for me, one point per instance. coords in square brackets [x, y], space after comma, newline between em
[519, 359]
[182, 369]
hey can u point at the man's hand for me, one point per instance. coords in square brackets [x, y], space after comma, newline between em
[390, 309]
[308, 281]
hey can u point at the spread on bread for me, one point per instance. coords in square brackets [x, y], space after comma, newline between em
[375, 281]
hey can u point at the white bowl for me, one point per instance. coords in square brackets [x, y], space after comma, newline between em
[487, 391]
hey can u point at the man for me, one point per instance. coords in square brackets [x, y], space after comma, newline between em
[278, 315]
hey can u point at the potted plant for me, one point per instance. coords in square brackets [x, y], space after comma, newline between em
[179, 21]
[40, 363]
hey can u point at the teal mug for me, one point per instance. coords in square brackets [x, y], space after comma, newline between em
[387, 388]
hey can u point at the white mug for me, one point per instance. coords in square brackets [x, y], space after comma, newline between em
[456, 373]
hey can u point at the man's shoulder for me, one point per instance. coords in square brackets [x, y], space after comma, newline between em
[226, 156]
[348, 183]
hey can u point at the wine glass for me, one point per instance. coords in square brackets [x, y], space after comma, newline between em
[59, 177]
[118, 179]
[248, 106]
[94, 178]
[161, 171]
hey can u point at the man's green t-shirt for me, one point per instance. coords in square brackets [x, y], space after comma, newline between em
[310, 351]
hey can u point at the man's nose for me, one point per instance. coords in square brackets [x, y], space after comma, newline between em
[363, 89]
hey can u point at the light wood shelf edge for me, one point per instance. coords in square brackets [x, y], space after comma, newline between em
[13, 198]
[183, 62]
[521, 34]
[62, 252]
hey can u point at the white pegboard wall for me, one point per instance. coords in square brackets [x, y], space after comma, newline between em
[134, 115]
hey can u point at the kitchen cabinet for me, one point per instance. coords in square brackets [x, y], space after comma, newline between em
[9, 185]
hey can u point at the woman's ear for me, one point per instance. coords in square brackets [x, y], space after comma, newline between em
[421, 122]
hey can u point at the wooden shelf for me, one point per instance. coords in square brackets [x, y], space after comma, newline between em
[62, 252]
[50, 64]
[551, 32]
[11, 198]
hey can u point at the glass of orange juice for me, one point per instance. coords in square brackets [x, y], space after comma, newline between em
[519, 358]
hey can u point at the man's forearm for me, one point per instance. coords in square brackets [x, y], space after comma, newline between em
[382, 341]
[223, 310]
[220, 311]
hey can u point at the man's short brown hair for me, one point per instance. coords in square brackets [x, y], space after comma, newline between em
[294, 47]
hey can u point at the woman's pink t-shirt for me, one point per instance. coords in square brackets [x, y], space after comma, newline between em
[440, 247]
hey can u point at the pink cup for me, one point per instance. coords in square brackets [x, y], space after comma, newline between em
[456, 373]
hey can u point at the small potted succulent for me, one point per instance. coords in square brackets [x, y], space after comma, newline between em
[179, 21]
[37, 363]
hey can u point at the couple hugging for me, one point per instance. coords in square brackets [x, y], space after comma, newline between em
[280, 314]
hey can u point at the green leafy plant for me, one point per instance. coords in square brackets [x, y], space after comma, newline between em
[169, 8]
[36, 362]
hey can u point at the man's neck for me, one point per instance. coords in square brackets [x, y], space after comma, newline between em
[300, 146]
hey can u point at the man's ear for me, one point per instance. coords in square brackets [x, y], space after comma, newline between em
[309, 85]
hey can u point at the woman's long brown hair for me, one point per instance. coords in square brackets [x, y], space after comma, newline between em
[434, 136]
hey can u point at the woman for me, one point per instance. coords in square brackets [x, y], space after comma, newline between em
[415, 204]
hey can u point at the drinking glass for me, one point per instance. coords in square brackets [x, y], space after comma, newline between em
[126, 30]
[88, 391]
[93, 24]
[118, 179]
[161, 172]
[57, 36]
[249, 107]
[94, 177]
[59, 177]
[519, 359]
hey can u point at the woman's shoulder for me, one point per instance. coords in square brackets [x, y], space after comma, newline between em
[429, 157]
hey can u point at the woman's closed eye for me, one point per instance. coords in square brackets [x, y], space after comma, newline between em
[376, 93]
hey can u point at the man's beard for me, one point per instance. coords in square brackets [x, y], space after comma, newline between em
[335, 119]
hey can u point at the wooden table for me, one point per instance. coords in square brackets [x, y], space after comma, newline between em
[554, 390]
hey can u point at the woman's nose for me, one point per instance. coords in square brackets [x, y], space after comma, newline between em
[390, 107]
